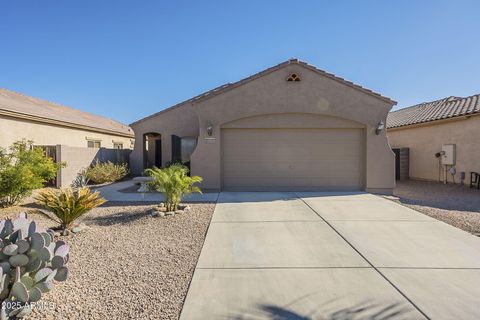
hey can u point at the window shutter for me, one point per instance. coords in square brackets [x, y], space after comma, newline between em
[176, 149]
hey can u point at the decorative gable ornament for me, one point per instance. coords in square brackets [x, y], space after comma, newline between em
[293, 77]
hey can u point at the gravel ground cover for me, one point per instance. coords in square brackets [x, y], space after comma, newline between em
[454, 204]
[126, 264]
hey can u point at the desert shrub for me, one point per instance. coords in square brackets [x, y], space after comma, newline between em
[22, 170]
[81, 181]
[103, 172]
[173, 182]
[68, 204]
[30, 261]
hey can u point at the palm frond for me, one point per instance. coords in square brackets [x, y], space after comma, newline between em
[174, 183]
[69, 204]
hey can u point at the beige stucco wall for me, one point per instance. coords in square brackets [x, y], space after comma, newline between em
[426, 140]
[14, 129]
[181, 121]
[315, 94]
[271, 94]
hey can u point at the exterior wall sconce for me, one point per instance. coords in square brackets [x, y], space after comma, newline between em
[209, 129]
[380, 128]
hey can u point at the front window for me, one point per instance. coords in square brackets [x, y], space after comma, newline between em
[117, 145]
[94, 144]
[188, 145]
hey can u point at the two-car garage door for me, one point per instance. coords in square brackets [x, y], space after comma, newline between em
[293, 159]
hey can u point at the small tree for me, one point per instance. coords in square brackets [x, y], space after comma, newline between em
[22, 170]
[174, 183]
[68, 204]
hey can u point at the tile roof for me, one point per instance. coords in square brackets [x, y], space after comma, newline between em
[228, 86]
[18, 104]
[435, 110]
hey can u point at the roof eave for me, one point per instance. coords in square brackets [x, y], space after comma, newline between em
[24, 116]
[434, 122]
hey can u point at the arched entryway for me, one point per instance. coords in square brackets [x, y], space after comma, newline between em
[152, 150]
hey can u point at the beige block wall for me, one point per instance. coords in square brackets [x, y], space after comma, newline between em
[78, 159]
[426, 140]
[13, 129]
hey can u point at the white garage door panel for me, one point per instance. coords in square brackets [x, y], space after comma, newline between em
[293, 158]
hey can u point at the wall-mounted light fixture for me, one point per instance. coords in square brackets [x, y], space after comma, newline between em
[209, 129]
[380, 128]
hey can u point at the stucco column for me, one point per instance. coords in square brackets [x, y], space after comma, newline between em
[380, 161]
[206, 159]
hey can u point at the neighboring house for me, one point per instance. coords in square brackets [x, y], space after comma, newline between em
[289, 127]
[48, 123]
[425, 128]
[66, 134]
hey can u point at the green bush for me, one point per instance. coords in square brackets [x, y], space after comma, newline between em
[22, 170]
[174, 183]
[103, 172]
[69, 204]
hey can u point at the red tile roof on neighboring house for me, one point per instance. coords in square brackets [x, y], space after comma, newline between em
[228, 86]
[18, 105]
[435, 110]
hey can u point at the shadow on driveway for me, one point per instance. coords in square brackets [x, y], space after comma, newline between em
[362, 311]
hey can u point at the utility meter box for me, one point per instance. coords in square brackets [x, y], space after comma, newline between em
[448, 157]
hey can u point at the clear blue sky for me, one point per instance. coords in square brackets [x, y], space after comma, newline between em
[128, 59]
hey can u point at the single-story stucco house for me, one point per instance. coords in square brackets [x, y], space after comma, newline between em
[67, 135]
[289, 127]
[427, 128]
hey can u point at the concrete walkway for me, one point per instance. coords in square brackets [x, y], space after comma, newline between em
[333, 256]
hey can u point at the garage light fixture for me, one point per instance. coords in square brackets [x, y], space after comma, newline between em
[380, 128]
[209, 129]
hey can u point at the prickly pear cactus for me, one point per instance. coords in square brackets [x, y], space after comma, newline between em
[30, 261]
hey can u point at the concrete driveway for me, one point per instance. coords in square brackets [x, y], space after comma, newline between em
[333, 256]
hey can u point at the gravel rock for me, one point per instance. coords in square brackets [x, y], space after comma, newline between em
[126, 265]
[76, 229]
[157, 213]
[454, 204]
[184, 207]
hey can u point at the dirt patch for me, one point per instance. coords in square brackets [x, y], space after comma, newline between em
[454, 204]
[126, 264]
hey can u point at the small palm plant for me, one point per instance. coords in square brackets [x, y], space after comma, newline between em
[69, 204]
[174, 183]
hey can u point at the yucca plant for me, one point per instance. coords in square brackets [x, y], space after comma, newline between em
[174, 183]
[81, 180]
[69, 204]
